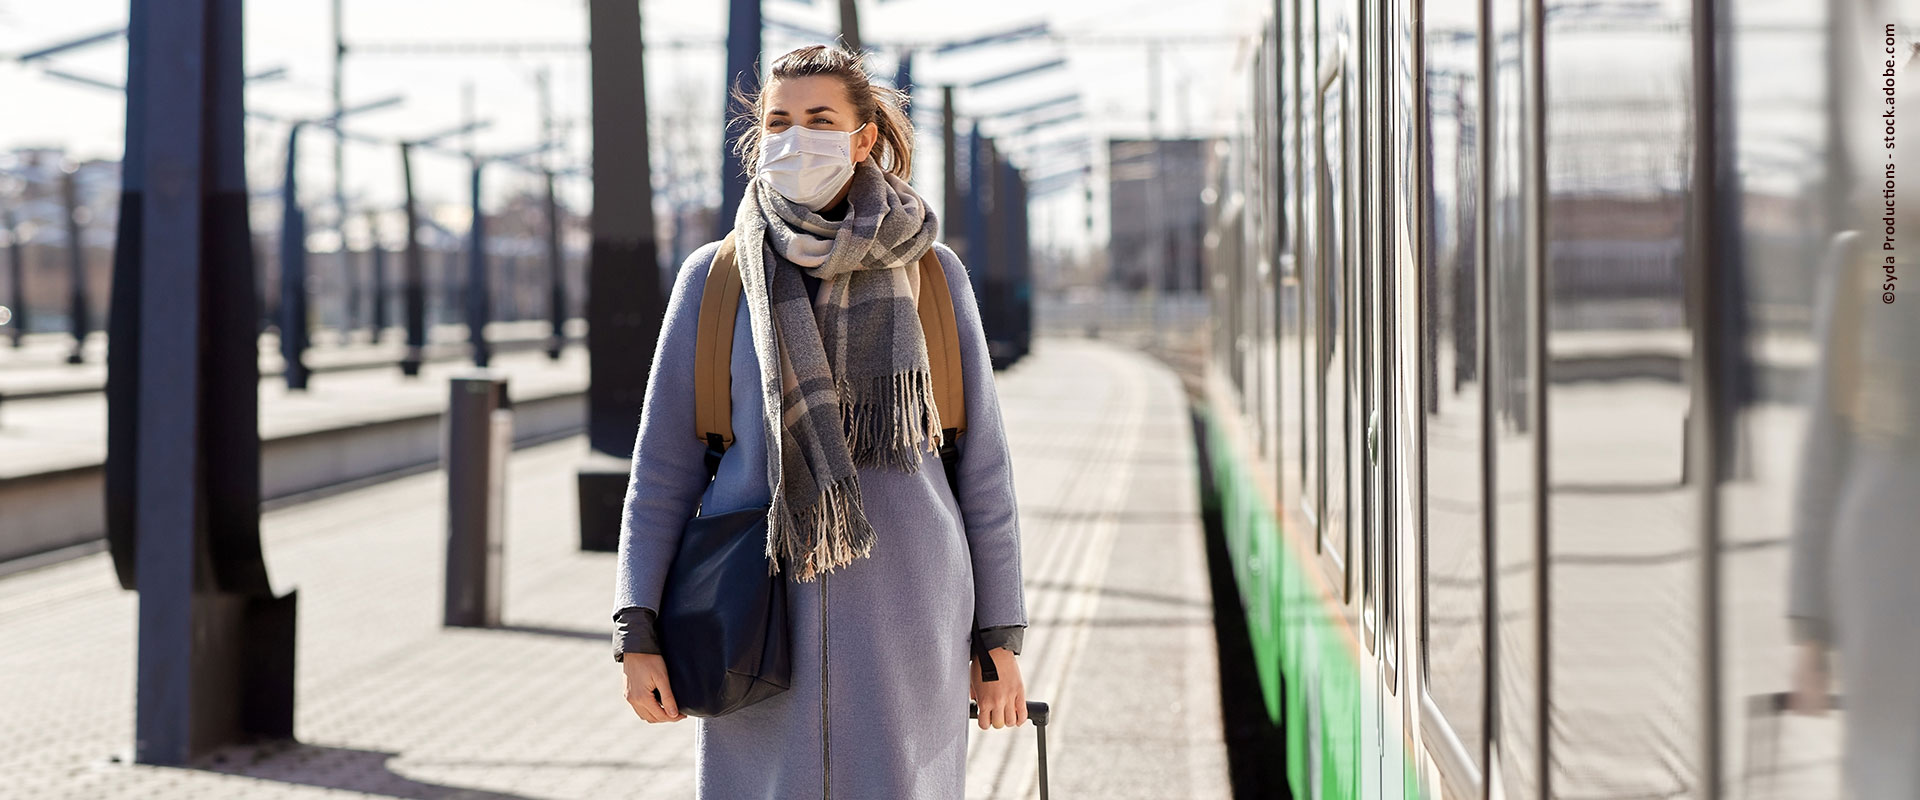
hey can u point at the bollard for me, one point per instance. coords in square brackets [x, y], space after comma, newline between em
[477, 433]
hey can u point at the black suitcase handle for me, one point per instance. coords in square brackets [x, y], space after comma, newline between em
[1037, 714]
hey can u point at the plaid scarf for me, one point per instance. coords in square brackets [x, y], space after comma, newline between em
[844, 377]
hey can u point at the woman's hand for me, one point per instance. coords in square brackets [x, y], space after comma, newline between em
[1003, 703]
[1811, 681]
[646, 672]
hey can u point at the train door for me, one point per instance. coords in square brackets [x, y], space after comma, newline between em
[1384, 152]
[1367, 309]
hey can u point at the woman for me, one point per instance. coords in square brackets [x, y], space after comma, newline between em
[888, 571]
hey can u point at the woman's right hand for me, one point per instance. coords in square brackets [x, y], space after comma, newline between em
[646, 672]
[1811, 681]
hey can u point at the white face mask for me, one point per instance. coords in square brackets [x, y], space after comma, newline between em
[807, 166]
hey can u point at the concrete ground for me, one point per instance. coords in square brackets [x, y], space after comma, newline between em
[391, 704]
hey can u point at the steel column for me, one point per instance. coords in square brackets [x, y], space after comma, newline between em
[76, 265]
[479, 290]
[743, 50]
[625, 301]
[215, 647]
[414, 306]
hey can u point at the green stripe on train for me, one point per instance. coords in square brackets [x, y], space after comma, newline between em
[1293, 632]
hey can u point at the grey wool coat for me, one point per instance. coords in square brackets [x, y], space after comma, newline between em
[878, 705]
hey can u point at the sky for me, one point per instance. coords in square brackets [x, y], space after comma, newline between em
[1107, 65]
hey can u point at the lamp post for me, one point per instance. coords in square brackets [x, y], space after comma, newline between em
[743, 47]
[293, 247]
[17, 274]
[414, 303]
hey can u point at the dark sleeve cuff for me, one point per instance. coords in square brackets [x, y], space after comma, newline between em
[635, 632]
[1007, 636]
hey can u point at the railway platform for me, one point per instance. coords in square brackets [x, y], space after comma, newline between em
[390, 703]
[347, 427]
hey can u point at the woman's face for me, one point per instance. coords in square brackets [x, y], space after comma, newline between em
[819, 102]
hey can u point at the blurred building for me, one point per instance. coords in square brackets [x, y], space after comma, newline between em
[1157, 215]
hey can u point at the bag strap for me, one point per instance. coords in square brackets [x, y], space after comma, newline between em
[713, 356]
[942, 331]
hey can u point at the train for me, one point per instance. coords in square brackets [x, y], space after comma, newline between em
[1519, 405]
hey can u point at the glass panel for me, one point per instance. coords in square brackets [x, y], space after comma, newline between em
[1367, 231]
[1336, 246]
[1293, 377]
[1818, 493]
[1310, 268]
[1625, 604]
[1513, 430]
[1455, 555]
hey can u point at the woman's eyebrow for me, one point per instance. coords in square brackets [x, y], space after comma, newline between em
[815, 110]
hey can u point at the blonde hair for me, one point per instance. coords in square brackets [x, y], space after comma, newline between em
[884, 107]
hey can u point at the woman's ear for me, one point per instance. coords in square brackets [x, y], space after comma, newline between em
[864, 141]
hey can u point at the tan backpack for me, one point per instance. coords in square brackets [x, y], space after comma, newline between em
[713, 374]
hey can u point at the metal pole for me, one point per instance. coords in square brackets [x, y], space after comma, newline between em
[952, 210]
[378, 280]
[293, 271]
[1021, 306]
[850, 25]
[743, 47]
[979, 179]
[123, 317]
[76, 265]
[478, 433]
[556, 262]
[215, 646]
[998, 313]
[903, 80]
[17, 275]
[1156, 226]
[625, 301]
[1712, 232]
[556, 276]
[415, 307]
[349, 275]
[348, 264]
[478, 302]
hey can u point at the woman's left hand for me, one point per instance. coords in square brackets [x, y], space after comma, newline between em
[1003, 703]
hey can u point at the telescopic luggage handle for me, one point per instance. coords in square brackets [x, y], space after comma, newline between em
[1037, 714]
[1036, 711]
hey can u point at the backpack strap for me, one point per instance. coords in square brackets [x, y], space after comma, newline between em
[713, 356]
[942, 331]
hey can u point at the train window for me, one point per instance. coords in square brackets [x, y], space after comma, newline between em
[1453, 546]
[1333, 366]
[1365, 237]
[1300, 173]
[1394, 156]
[1797, 447]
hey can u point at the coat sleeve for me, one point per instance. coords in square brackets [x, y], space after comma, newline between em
[986, 497]
[1823, 458]
[669, 471]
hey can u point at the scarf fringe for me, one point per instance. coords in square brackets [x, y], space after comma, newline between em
[890, 420]
[829, 534]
